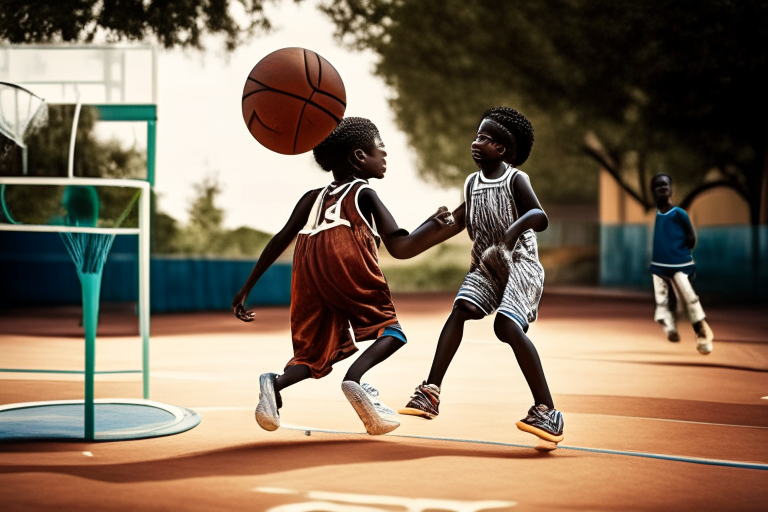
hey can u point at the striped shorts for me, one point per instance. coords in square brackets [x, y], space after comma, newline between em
[522, 294]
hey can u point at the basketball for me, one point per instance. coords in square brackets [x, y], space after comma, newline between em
[292, 100]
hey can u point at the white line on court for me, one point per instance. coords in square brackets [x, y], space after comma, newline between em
[675, 458]
[215, 409]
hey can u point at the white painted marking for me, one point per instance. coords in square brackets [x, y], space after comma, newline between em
[88, 454]
[274, 490]
[345, 502]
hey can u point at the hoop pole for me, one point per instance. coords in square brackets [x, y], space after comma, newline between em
[73, 136]
[144, 238]
[91, 290]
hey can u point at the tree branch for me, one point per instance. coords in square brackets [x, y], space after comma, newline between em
[609, 166]
[688, 199]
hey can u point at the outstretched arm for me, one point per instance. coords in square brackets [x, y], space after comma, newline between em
[401, 244]
[276, 246]
[532, 215]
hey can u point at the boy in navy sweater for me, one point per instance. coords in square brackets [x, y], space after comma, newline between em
[672, 266]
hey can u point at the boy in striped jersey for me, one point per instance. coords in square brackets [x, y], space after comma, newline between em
[501, 213]
[673, 268]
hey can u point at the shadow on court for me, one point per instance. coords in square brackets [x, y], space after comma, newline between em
[260, 459]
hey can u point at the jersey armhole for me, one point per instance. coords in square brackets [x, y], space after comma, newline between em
[360, 212]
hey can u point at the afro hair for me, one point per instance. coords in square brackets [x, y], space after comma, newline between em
[352, 133]
[518, 126]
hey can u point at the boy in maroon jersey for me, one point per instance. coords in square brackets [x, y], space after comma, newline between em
[336, 279]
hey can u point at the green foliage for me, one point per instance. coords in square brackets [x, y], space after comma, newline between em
[175, 23]
[662, 85]
[204, 234]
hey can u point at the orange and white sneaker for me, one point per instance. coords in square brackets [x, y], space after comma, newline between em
[546, 424]
[424, 402]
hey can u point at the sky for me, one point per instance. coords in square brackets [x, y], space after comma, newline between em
[201, 130]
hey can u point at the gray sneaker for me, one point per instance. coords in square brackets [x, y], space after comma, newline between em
[373, 394]
[375, 424]
[267, 415]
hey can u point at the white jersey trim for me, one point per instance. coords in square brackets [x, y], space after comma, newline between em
[671, 265]
[357, 205]
[332, 214]
[500, 178]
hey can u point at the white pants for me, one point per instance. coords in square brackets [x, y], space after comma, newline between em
[687, 300]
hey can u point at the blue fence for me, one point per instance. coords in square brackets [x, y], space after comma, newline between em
[731, 261]
[36, 269]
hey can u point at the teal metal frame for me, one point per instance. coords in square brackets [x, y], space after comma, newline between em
[108, 112]
[137, 112]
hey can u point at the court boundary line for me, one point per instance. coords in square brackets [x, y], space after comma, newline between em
[691, 422]
[658, 456]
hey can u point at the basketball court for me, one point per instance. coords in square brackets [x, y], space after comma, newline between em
[650, 425]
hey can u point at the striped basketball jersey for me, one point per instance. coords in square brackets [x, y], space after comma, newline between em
[490, 210]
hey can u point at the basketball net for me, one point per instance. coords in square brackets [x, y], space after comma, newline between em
[20, 111]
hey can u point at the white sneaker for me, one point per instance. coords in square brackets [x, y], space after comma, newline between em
[267, 414]
[375, 424]
[373, 394]
[704, 338]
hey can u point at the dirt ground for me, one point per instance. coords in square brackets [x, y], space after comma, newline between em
[622, 388]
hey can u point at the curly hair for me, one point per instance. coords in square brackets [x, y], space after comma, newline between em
[518, 127]
[352, 133]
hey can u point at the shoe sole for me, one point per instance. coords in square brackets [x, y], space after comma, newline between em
[541, 434]
[375, 425]
[266, 412]
[409, 411]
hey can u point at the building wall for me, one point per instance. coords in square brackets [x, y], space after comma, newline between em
[731, 255]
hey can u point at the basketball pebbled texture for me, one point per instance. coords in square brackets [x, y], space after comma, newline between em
[292, 100]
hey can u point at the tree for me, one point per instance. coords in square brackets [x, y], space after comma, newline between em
[205, 233]
[641, 87]
[175, 23]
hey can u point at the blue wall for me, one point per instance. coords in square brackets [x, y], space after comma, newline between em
[36, 269]
[723, 256]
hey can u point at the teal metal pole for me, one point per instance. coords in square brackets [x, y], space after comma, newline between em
[151, 138]
[91, 290]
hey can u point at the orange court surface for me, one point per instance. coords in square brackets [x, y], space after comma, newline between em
[649, 424]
